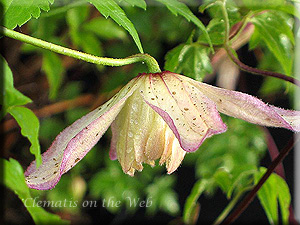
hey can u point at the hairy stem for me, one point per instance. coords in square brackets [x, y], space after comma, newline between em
[249, 198]
[144, 58]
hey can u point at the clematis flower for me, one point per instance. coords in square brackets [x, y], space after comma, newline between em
[155, 116]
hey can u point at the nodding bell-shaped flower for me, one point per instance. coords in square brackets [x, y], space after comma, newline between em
[155, 116]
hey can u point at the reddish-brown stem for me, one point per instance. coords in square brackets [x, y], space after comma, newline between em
[274, 152]
[249, 198]
[52, 109]
[256, 71]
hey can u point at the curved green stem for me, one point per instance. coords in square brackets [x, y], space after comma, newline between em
[144, 58]
[230, 206]
[226, 21]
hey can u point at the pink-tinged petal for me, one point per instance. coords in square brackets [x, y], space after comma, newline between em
[172, 100]
[113, 143]
[249, 108]
[74, 142]
[291, 116]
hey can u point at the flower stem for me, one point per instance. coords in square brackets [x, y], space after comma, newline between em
[256, 71]
[144, 58]
[249, 198]
[230, 206]
[226, 22]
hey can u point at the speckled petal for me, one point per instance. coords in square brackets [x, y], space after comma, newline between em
[74, 142]
[249, 108]
[192, 118]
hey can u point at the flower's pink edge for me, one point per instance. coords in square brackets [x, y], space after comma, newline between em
[188, 147]
[67, 152]
[269, 109]
[113, 143]
[166, 117]
[289, 113]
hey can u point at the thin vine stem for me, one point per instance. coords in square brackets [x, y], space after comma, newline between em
[230, 206]
[256, 71]
[226, 22]
[144, 58]
[249, 198]
[243, 66]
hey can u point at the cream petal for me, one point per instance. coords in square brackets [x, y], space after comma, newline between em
[173, 154]
[249, 108]
[137, 133]
[171, 99]
[74, 142]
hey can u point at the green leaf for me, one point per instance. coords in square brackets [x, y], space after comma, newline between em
[191, 201]
[54, 70]
[224, 179]
[273, 191]
[17, 12]
[30, 125]
[278, 37]
[90, 44]
[177, 7]
[139, 3]
[189, 59]
[109, 8]
[161, 192]
[207, 5]
[13, 178]
[76, 16]
[276, 5]
[105, 28]
[9, 96]
[216, 31]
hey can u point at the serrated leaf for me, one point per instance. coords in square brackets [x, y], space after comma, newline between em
[180, 8]
[273, 191]
[54, 70]
[276, 34]
[191, 60]
[13, 178]
[139, 3]
[105, 28]
[30, 125]
[9, 95]
[109, 8]
[18, 12]
[207, 5]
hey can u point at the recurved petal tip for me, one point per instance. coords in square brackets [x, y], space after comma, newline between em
[251, 109]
